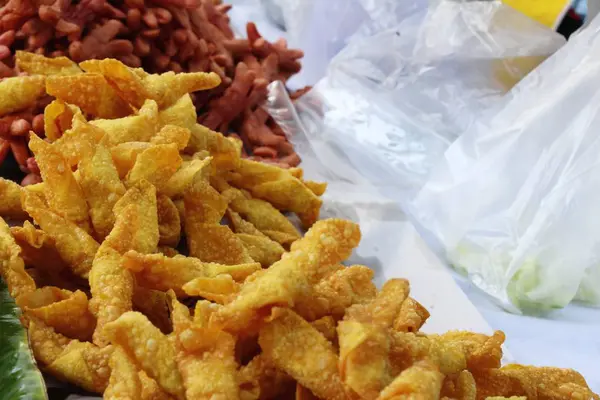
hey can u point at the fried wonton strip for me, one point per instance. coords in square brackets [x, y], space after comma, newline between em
[58, 117]
[421, 381]
[38, 249]
[327, 242]
[278, 187]
[225, 151]
[10, 200]
[102, 189]
[20, 92]
[261, 214]
[80, 140]
[63, 193]
[327, 326]
[135, 85]
[460, 386]
[37, 64]
[412, 316]
[181, 113]
[318, 188]
[90, 92]
[207, 238]
[261, 248]
[12, 267]
[365, 343]
[172, 134]
[46, 344]
[65, 311]
[261, 379]
[297, 348]
[154, 304]
[75, 246]
[183, 178]
[169, 224]
[451, 352]
[124, 155]
[83, 364]
[111, 286]
[218, 289]
[159, 272]
[124, 382]
[156, 165]
[338, 291]
[152, 350]
[134, 128]
[136, 224]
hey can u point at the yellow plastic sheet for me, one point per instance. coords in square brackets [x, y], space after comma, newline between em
[547, 12]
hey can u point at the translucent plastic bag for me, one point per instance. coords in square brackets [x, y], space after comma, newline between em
[515, 199]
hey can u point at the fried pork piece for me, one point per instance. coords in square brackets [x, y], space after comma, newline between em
[90, 92]
[423, 380]
[10, 200]
[285, 282]
[65, 311]
[75, 246]
[279, 187]
[135, 85]
[12, 267]
[207, 238]
[151, 349]
[63, 193]
[159, 272]
[532, 382]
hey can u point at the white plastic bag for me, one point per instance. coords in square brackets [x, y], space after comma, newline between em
[515, 201]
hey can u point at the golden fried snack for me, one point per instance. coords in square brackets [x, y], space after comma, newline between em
[298, 349]
[181, 113]
[102, 188]
[35, 64]
[157, 164]
[226, 151]
[278, 187]
[65, 311]
[12, 267]
[169, 223]
[412, 316]
[124, 382]
[420, 381]
[38, 249]
[125, 154]
[183, 178]
[131, 128]
[172, 134]
[137, 336]
[135, 85]
[111, 286]
[284, 282]
[75, 246]
[20, 92]
[10, 200]
[64, 195]
[460, 386]
[90, 92]
[261, 379]
[79, 141]
[219, 289]
[58, 117]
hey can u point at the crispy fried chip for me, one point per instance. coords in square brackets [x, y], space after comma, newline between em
[156, 165]
[63, 193]
[124, 155]
[261, 379]
[134, 128]
[219, 289]
[261, 248]
[102, 188]
[172, 134]
[36, 64]
[46, 344]
[183, 178]
[10, 200]
[138, 337]
[225, 151]
[421, 381]
[460, 386]
[58, 117]
[154, 304]
[12, 267]
[79, 141]
[38, 249]
[278, 187]
[111, 286]
[327, 243]
[90, 92]
[136, 225]
[297, 348]
[135, 85]
[20, 92]
[75, 246]
[412, 316]
[124, 382]
[65, 311]
[181, 113]
[169, 224]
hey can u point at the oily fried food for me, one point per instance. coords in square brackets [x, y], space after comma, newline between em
[155, 263]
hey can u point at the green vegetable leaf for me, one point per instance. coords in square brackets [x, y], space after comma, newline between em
[20, 379]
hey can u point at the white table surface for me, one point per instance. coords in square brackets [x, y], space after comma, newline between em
[568, 338]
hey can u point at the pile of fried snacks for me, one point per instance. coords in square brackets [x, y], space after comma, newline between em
[153, 262]
[160, 36]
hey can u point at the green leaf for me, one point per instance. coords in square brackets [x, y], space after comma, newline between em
[20, 379]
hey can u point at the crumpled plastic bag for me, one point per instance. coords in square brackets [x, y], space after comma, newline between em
[515, 200]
